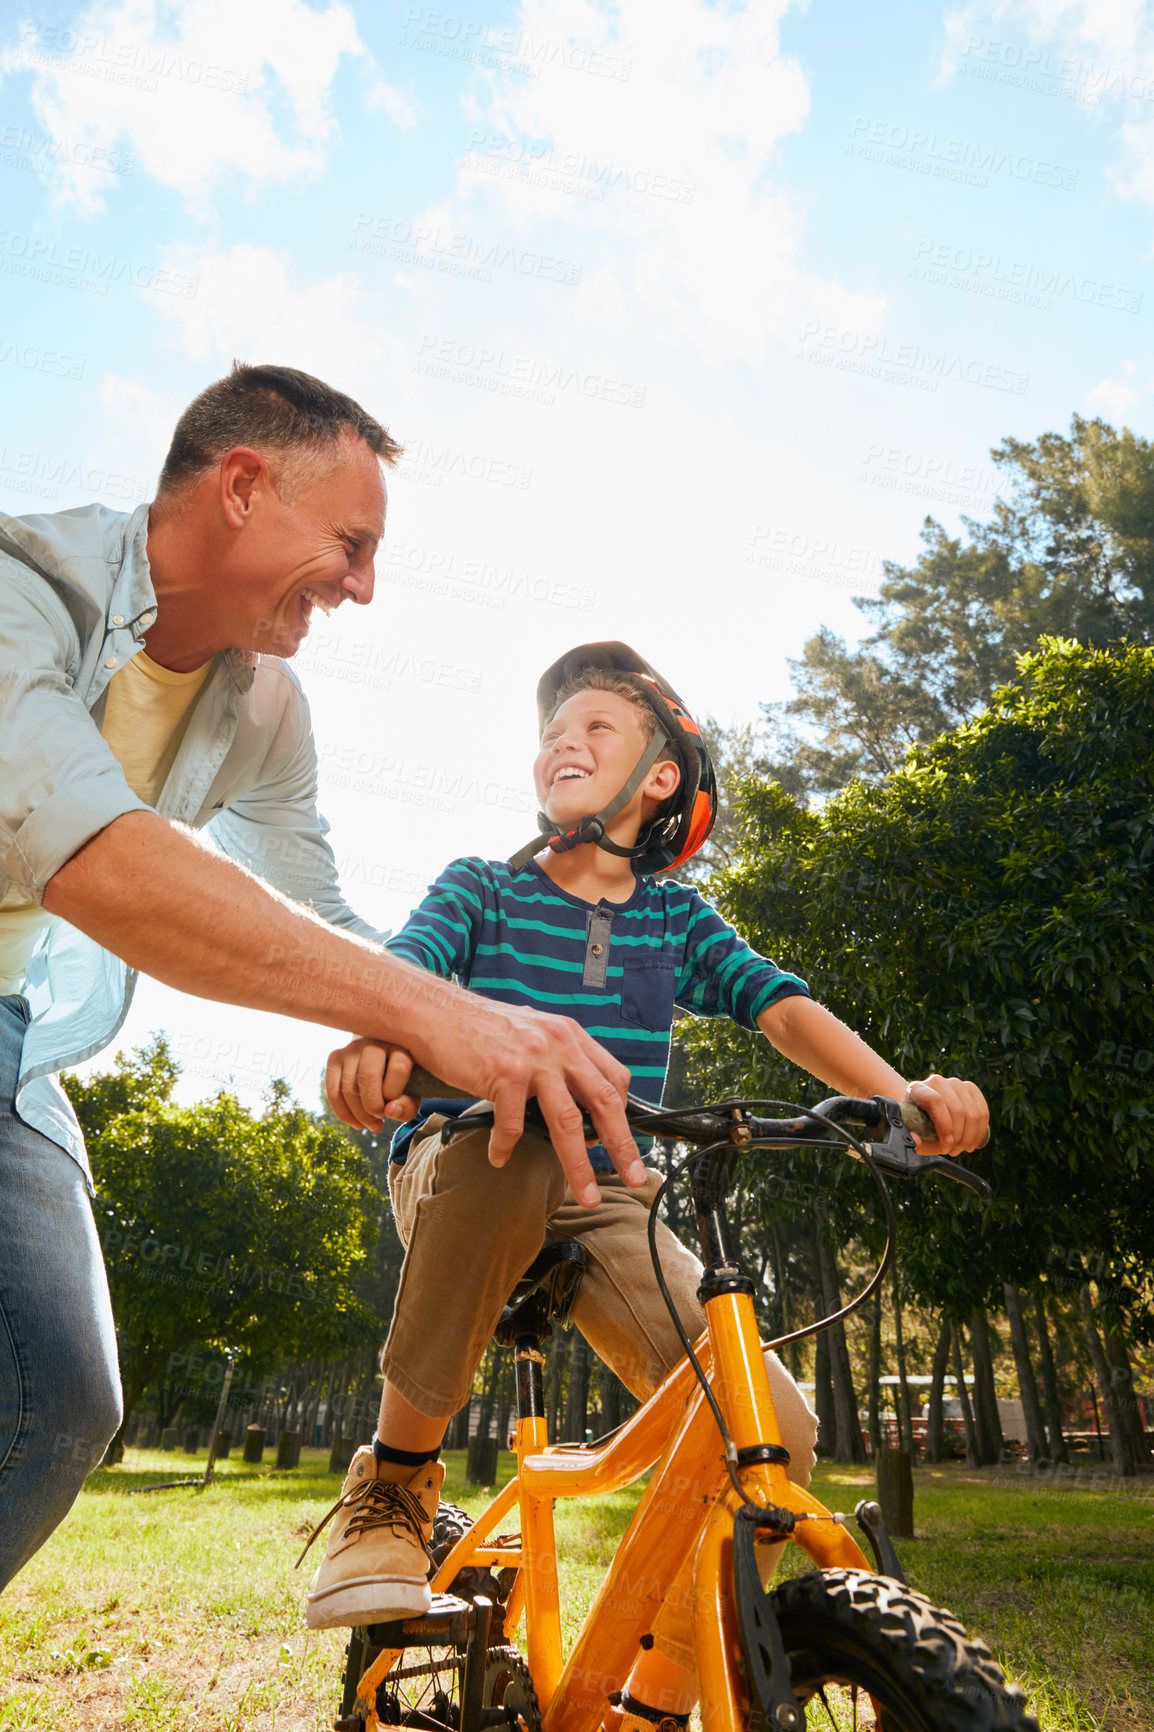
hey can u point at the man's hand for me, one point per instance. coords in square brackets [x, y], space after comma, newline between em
[959, 1111]
[523, 1053]
[365, 1082]
[152, 893]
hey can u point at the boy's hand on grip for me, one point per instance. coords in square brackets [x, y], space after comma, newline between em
[366, 1081]
[959, 1113]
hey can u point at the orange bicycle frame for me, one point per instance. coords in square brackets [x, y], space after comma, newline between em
[687, 1507]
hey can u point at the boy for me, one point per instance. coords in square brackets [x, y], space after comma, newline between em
[577, 924]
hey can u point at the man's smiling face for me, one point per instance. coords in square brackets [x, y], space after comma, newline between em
[313, 553]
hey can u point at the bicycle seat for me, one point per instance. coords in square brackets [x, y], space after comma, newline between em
[544, 1295]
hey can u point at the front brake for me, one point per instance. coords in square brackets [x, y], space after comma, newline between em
[898, 1154]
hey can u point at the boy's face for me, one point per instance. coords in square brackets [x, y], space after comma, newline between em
[588, 752]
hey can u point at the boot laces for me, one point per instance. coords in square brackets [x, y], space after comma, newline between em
[380, 1503]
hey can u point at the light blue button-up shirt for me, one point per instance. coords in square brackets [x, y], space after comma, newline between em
[76, 599]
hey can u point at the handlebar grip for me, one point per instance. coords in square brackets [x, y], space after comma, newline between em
[921, 1124]
[422, 1082]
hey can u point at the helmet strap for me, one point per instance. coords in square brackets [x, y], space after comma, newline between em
[592, 828]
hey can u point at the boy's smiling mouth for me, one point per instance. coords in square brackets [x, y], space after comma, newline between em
[569, 773]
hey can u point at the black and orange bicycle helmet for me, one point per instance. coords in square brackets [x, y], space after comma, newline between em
[682, 828]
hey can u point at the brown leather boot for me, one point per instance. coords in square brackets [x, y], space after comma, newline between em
[376, 1567]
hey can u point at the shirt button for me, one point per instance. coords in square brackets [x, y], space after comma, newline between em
[597, 949]
[147, 618]
[118, 619]
[111, 661]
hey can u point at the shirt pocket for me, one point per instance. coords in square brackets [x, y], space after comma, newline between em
[647, 990]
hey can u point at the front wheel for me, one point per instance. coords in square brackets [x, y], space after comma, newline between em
[851, 1636]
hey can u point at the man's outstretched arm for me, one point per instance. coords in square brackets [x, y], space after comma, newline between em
[150, 892]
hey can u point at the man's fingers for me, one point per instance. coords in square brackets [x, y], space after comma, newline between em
[508, 1123]
[566, 1132]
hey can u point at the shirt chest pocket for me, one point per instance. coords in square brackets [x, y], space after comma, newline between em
[647, 989]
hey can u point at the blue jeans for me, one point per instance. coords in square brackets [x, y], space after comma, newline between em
[59, 1385]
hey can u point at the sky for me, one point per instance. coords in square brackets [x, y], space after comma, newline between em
[686, 314]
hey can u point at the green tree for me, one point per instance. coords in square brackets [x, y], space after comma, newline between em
[987, 908]
[1069, 551]
[220, 1227]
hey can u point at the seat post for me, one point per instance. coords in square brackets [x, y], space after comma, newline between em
[530, 1363]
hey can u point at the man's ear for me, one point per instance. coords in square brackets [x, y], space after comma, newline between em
[243, 474]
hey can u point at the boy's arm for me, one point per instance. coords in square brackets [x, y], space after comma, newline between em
[812, 1037]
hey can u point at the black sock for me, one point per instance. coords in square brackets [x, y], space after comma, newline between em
[404, 1457]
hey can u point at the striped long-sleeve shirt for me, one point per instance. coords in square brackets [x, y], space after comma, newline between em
[617, 968]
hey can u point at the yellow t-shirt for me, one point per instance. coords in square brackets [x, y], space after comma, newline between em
[146, 714]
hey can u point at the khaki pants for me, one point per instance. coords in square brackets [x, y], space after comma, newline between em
[471, 1230]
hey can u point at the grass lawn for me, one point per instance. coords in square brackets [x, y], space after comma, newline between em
[183, 1611]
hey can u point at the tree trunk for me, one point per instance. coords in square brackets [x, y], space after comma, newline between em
[1125, 1401]
[972, 1450]
[849, 1445]
[555, 1379]
[985, 1396]
[874, 1395]
[905, 1413]
[935, 1431]
[792, 1352]
[577, 1402]
[896, 1492]
[610, 1399]
[506, 1396]
[1027, 1383]
[823, 1395]
[1122, 1463]
[1058, 1450]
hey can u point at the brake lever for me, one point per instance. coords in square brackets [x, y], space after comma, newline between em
[897, 1153]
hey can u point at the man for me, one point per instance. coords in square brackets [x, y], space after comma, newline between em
[144, 695]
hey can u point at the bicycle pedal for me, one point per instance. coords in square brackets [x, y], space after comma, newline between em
[447, 1624]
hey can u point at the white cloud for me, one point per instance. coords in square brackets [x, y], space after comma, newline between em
[1112, 398]
[1101, 50]
[401, 109]
[673, 166]
[196, 91]
[246, 306]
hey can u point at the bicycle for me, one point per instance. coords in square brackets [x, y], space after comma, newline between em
[764, 1658]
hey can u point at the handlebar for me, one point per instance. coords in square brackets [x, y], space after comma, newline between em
[735, 1122]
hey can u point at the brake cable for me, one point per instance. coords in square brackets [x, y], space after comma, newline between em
[864, 1154]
